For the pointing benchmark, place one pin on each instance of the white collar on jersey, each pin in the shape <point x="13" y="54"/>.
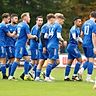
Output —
<point x="92" y="19"/>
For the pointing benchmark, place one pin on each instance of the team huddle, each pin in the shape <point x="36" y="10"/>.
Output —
<point x="44" y="40"/>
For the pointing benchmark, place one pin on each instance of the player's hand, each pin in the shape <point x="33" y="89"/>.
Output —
<point x="35" y="37"/>
<point x="44" y="49"/>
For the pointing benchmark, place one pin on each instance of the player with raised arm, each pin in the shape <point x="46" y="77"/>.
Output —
<point x="43" y="53"/>
<point x="10" y="41"/>
<point x="53" y="45"/>
<point x="3" y="33"/>
<point x="89" y="47"/>
<point x="24" y="34"/>
<point x="73" y="51"/>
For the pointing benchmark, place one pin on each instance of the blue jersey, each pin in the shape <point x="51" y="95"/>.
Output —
<point x="10" y="41"/>
<point x="22" y="31"/>
<point x="87" y="28"/>
<point x="34" y="31"/>
<point x="53" y="41"/>
<point x="45" y="31"/>
<point x="3" y="31"/>
<point x="74" y="30"/>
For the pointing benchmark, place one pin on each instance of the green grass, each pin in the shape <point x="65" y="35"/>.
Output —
<point x="56" y="88"/>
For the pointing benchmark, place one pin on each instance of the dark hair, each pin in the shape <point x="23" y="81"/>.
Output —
<point x="76" y="18"/>
<point x="5" y="15"/>
<point x="14" y="15"/>
<point x="50" y="15"/>
<point x="93" y="14"/>
<point x="38" y="17"/>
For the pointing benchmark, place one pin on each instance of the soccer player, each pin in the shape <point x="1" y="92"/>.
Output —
<point x="89" y="47"/>
<point x="53" y="45"/>
<point x="43" y="53"/>
<point x="3" y="33"/>
<point x="10" y="41"/>
<point x="24" y="34"/>
<point x="73" y="51"/>
<point x="34" y="44"/>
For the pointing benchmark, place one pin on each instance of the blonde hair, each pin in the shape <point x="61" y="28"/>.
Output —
<point x="24" y="14"/>
<point x="59" y="15"/>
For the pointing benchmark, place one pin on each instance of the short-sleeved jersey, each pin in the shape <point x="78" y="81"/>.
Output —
<point x="74" y="30"/>
<point x="53" y="41"/>
<point x="10" y="41"/>
<point x="34" y="31"/>
<point x="45" y="31"/>
<point x="87" y="28"/>
<point x="3" y="31"/>
<point x="22" y="31"/>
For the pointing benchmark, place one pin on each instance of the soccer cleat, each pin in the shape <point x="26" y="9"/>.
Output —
<point x="22" y="77"/>
<point x="47" y="79"/>
<point x="76" y="78"/>
<point x="43" y="74"/>
<point x="38" y="79"/>
<point x="5" y="77"/>
<point x="10" y="78"/>
<point x="80" y="76"/>
<point x="90" y="80"/>
<point x="67" y="79"/>
<point x="32" y="74"/>
<point x="28" y="78"/>
<point x="51" y="77"/>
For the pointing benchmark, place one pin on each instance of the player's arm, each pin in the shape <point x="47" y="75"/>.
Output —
<point x="60" y="37"/>
<point x="32" y="36"/>
<point x="43" y="42"/>
<point x="11" y="34"/>
<point x="94" y="41"/>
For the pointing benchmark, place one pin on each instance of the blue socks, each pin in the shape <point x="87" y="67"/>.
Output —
<point x="9" y="69"/>
<point x="13" y="68"/>
<point x="54" y="65"/>
<point x="26" y="67"/>
<point x="3" y="69"/>
<point x="48" y="70"/>
<point x="85" y="65"/>
<point x="38" y="71"/>
<point x="77" y="67"/>
<point x="90" y="68"/>
<point x="67" y="70"/>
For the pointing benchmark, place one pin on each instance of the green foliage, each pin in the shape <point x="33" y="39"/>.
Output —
<point x="70" y="9"/>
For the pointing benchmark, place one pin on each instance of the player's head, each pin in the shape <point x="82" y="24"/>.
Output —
<point x="26" y="17"/>
<point x="77" y="21"/>
<point x="59" y="18"/>
<point x="39" y="20"/>
<point x="6" y="17"/>
<point x="93" y="14"/>
<point x="50" y="18"/>
<point x="14" y="18"/>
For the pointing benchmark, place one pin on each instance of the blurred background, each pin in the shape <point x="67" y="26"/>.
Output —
<point x="70" y="9"/>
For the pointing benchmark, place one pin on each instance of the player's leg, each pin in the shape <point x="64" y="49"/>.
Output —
<point x="18" y="56"/>
<point x="67" y="69"/>
<point x="3" y="61"/>
<point x="42" y="57"/>
<point x="90" y="70"/>
<point x="53" y="56"/>
<point x="77" y="55"/>
<point x="85" y="65"/>
<point x="11" y="55"/>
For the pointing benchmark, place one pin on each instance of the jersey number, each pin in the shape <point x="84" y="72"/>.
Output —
<point x="86" y="30"/>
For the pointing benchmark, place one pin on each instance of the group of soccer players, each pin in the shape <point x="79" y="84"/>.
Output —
<point x="44" y="45"/>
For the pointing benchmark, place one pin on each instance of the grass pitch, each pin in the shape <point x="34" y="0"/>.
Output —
<point x="56" y="88"/>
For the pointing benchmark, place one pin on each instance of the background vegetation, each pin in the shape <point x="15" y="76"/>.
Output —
<point x="70" y="9"/>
